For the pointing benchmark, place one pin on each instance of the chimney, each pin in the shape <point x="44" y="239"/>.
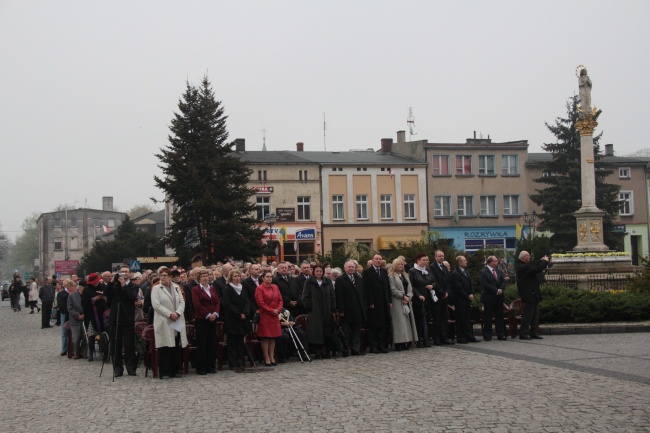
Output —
<point x="107" y="204"/>
<point x="386" y="145"/>
<point x="401" y="136"/>
<point x="474" y="135"/>
<point x="240" y="145"/>
<point x="300" y="146"/>
<point x="609" y="150"/>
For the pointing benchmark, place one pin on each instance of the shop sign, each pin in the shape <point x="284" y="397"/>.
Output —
<point x="285" y="214"/>
<point x="263" y="189"/>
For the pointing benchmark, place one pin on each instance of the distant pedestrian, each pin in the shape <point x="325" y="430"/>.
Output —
<point x="529" y="292"/>
<point x="33" y="295"/>
<point x="62" y="303"/>
<point x="15" y="289"/>
<point x="46" y="293"/>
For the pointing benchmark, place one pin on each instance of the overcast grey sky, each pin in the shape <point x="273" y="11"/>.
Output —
<point x="88" y="88"/>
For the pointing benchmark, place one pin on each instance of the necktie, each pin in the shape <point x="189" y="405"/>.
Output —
<point x="285" y="278"/>
<point x="494" y="272"/>
<point x="378" y="273"/>
<point x="352" y="279"/>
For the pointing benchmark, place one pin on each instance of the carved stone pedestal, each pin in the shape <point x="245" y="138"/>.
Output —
<point x="590" y="231"/>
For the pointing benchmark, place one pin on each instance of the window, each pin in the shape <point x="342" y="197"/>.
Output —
<point x="511" y="205"/>
<point x="486" y="165"/>
<point x="302" y="174"/>
<point x="57" y="222"/>
<point x="261" y="174"/>
<point x="386" y="207"/>
<point x="338" y="244"/>
<point x="627" y="202"/>
<point x="442" y="205"/>
<point x="465" y="205"/>
<point x="304" y="208"/>
<point x="74" y="243"/>
<point x="337" y="208"/>
<point x="440" y="165"/>
<point x="73" y="222"/>
<point x="362" y="168"/>
<point x="111" y="223"/>
<point x="510" y="165"/>
<point x="488" y="205"/>
<point x="409" y="206"/>
<point x="362" y="207"/>
<point x="337" y="168"/>
<point x="624" y="173"/>
<point x="464" y="164"/>
<point x="263" y="207"/>
<point x="58" y="244"/>
<point x="96" y="222"/>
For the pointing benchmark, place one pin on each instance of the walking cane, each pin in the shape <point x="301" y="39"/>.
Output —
<point x="294" y="337"/>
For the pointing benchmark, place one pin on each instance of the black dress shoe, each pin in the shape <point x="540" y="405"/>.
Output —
<point x="461" y="342"/>
<point x="383" y="350"/>
<point x="536" y="337"/>
<point x="132" y="373"/>
<point x="503" y="338"/>
<point x="212" y="371"/>
<point x="374" y="350"/>
<point x="473" y="340"/>
<point x="487" y="338"/>
<point x="524" y="337"/>
<point x="448" y="343"/>
<point x="119" y="374"/>
<point x="201" y="372"/>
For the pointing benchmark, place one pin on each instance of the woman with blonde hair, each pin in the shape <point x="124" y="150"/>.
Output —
<point x="401" y="289"/>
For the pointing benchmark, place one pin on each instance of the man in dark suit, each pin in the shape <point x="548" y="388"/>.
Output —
<point x="187" y="291"/>
<point x="461" y="286"/>
<point x="290" y="299"/>
<point x="439" y="309"/>
<point x="528" y="287"/>
<point x="249" y="285"/>
<point x="378" y="296"/>
<point x="123" y="296"/>
<point x="351" y="305"/>
<point x="493" y="283"/>
<point x="220" y="283"/>
<point x="299" y="284"/>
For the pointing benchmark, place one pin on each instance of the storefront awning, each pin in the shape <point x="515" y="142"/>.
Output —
<point x="384" y="242"/>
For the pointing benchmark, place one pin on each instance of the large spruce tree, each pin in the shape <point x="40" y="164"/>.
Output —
<point x="206" y="183"/>
<point x="561" y="195"/>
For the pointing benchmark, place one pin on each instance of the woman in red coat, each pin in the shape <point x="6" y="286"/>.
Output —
<point x="269" y="301"/>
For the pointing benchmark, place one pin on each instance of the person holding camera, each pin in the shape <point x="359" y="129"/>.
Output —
<point x="123" y="295"/>
<point x="528" y="283"/>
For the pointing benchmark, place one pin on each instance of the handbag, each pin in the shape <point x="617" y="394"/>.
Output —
<point x="256" y="318"/>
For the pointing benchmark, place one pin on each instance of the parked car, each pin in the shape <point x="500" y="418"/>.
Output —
<point x="5" y="291"/>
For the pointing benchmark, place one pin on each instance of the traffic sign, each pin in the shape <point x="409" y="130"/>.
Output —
<point x="134" y="265"/>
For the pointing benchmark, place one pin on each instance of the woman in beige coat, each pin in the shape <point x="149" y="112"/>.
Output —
<point x="168" y="323"/>
<point x="401" y="289"/>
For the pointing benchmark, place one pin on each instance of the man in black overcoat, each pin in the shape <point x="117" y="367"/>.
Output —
<point x="439" y="309"/>
<point x="249" y="286"/>
<point x="351" y="304"/>
<point x="123" y="295"/>
<point x="528" y="287"/>
<point x="288" y="290"/>
<point x="493" y="283"/>
<point x="378" y="296"/>
<point x="461" y="286"/>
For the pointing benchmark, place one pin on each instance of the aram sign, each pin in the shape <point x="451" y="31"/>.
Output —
<point x="263" y="189"/>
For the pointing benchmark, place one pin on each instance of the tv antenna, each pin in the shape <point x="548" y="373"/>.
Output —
<point x="324" y="131"/>
<point x="410" y="121"/>
<point x="263" y="138"/>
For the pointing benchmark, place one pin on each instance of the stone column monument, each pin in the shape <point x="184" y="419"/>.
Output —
<point x="588" y="218"/>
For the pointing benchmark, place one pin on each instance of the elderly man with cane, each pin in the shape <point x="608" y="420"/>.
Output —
<point x="528" y="286"/>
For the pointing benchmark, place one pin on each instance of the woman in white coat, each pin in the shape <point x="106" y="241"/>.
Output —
<point x="401" y="289"/>
<point x="168" y="323"/>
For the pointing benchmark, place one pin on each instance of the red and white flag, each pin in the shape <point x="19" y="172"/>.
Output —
<point x="105" y="229"/>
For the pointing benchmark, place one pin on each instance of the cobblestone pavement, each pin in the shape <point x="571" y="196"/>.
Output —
<point x="587" y="383"/>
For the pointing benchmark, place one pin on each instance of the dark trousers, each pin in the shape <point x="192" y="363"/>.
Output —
<point x="123" y="336"/>
<point x="530" y="319"/>
<point x="463" y="321"/>
<point x="440" y="316"/>
<point x="420" y="313"/>
<point x="15" y="301"/>
<point x="206" y="345"/>
<point x="376" y="336"/>
<point x="46" y="314"/>
<point x="352" y="333"/>
<point x="26" y="295"/>
<point x="167" y="361"/>
<point x="235" y="349"/>
<point x="496" y="311"/>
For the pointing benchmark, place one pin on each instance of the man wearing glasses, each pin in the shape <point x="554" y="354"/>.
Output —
<point x="123" y="295"/>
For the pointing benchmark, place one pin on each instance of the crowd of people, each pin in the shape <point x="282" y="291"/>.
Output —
<point x="400" y="305"/>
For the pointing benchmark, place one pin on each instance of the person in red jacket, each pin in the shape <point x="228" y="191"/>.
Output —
<point x="206" y="312"/>
<point x="269" y="301"/>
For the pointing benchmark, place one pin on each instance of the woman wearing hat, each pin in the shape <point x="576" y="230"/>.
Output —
<point x="168" y="323"/>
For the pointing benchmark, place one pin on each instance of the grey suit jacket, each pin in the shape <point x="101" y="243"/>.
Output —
<point x="75" y="309"/>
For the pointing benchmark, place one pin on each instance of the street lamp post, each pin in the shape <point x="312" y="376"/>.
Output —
<point x="270" y="219"/>
<point x="530" y="219"/>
